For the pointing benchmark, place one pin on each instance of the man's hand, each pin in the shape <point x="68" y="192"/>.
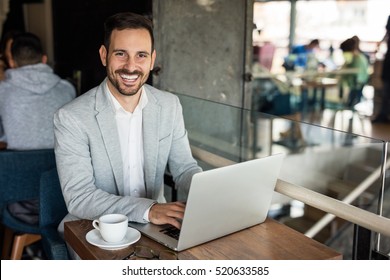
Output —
<point x="167" y="213"/>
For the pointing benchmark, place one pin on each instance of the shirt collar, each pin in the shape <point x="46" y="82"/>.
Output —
<point x="118" y="107"/>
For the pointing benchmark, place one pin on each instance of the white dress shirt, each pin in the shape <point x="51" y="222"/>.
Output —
<point x="131" y="142"/>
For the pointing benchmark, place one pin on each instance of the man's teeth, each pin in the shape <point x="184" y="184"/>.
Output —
<point x="129" y="77"/>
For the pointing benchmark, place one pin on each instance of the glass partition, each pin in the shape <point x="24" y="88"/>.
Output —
<point x="325" y="160"/>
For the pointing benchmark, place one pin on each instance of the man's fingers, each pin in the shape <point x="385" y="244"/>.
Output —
<point x="168" y="213"/>
<point x="174" y="222"/>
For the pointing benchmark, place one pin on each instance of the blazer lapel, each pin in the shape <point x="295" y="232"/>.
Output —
<point x="150" y="115"/>
<point x="105" y="117"/>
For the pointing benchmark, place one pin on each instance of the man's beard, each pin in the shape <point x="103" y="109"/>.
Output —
<point x="125" y="90"/>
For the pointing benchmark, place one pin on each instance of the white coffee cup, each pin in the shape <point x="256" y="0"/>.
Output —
<point x="112" y="227"/>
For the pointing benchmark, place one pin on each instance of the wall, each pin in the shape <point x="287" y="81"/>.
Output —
<point x="202" y="47"/>
<point x="38" y="20"/>
<point x="4" y="7"/>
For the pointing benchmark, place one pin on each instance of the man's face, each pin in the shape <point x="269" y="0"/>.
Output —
<point x="128" y="60"/>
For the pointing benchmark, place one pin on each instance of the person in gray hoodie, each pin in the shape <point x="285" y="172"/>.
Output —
<point x="29" y="96"/>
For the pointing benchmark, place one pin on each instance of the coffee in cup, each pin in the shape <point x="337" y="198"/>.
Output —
<point x="112" y="227"/>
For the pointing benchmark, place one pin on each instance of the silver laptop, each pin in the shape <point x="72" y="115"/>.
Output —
<point x="221" y="201"/>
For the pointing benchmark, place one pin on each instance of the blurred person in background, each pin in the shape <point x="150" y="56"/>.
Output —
<point x="383" y="113"/>
<point x="354" y="59"/>
<point x="302" y="56"/>
<point x="357" y="40"/>
<point x="29" y="96"/>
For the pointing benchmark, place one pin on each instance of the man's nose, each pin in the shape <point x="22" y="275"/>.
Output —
<point x="131" y="64"/>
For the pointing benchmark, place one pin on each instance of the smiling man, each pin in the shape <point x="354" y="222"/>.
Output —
<point x="114" y="142"/>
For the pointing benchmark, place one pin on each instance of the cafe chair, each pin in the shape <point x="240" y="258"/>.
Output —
<point x="20" y="174"/>
<point x="52" y="210"/>
<point x="354" y="97"/>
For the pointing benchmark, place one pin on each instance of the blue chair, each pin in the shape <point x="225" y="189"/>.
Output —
<point x="52" y="210"/>
<point x="20" y="174"/>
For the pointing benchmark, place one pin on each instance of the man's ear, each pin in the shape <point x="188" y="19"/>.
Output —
<point x="44" y="59"/>
<point x="12" y="63"/>
<point x="153" y="60"/>
<point x="103" y="55"/>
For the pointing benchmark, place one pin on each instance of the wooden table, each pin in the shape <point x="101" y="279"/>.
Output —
<point x="270" y="240"/>
<point x="322" y="84"/>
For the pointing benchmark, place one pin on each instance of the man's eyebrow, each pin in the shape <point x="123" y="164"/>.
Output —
<point x="138" y="52"/>
<point x="119" y="50"/>
<point x="144" y="52"/>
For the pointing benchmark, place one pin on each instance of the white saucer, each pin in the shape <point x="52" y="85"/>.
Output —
<point x="94" y="237"/>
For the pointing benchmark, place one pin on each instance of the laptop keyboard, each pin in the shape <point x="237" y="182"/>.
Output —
<point x="171" y="231"/>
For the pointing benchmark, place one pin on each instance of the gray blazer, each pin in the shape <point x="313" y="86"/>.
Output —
<point x="89" y="159"/>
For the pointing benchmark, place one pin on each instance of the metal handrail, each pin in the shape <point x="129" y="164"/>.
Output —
<point x="333" y="206"/>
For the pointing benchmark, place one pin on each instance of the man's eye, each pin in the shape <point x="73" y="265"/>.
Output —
<point x="120" y="54"/>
